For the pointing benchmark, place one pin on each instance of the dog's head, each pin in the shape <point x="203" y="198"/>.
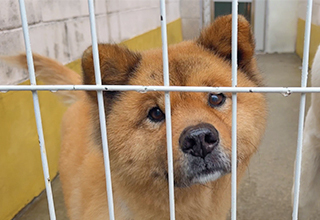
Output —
<point x="201" y="122"/>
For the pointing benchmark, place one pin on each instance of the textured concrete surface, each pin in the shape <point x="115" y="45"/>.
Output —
<point x="265" y="193"/>
<point x="38" y="208"/>
<point x="191" y="18"/>
<point x="61" y="30"/>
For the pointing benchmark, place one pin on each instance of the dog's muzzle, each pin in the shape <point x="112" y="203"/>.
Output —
<point x="199" y="140"/>
<point x="204" y="158"/>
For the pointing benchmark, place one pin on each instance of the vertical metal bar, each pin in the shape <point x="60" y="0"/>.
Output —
<point x="206" y="14"/>
<point x="167" y="106"/>
<point x="102" y="115"/>
<point x="37" y="112"/>
<point x="234" y="109"/>
<point x="201" y="3"/>
<point x="304" y="79"/>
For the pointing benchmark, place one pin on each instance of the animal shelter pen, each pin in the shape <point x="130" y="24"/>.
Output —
<point x="166" y="88"/>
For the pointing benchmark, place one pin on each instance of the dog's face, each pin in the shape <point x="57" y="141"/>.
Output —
<point x="201" y="122"/>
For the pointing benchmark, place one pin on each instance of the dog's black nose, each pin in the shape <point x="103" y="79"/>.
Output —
<point x="199" y="140"/>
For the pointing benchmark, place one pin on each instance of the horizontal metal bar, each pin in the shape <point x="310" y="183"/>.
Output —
<point x="230" y="1"/>
<point x="53" y="88"/>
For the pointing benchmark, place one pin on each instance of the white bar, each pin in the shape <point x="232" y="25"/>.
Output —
<point x="167" y="106"/>
<point x="102" y="115"/>
<point x="285" y="91"/>
<point x="234" y="109"/>
<point x="37" y="112"/>
<point x="248" y="1"/>
<point x="304" y="78"/>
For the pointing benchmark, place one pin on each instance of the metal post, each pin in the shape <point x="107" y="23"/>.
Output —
<point x="304" y="78"/>
<point x="102" y="115"/>
<point x="234" y="109"/>
<point x="167" y="106"/>
<point x="37" y="112"/>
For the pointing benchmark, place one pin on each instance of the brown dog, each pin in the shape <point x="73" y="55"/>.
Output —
<point x="201" y="125"/>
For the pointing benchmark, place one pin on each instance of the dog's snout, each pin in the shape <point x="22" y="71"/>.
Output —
<point x="199" y="140"/>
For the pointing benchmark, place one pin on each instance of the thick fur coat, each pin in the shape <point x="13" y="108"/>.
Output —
<point x="201" y="125"/>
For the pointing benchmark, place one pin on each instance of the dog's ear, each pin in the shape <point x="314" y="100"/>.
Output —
<point x="117" y="64"/>
<point x="217" y="38"/>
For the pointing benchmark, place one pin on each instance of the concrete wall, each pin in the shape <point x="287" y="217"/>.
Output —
<point x="315" y="28"/>
<point x="315" y="11"/>
<point x="281" y="26"/>
<point x="281" y="23"/>
<point x="60" y="29"/>
<point x="191" y="18"/>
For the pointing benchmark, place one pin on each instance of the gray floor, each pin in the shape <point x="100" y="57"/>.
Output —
<point x="265" y="193"/>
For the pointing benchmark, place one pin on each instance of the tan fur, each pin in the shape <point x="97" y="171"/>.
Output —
<point x="137" y="146"/>
<point x="50" y="72"/>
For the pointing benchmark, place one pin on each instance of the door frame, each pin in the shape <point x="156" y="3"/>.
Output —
<point x="258" y="18"/>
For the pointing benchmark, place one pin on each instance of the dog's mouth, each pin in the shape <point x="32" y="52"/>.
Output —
<point x="210" y="168"/>
<point x="197" y="170"/>
<point x="208" y="176"/>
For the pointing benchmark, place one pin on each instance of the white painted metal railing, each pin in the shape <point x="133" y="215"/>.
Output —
<point x="102" y="115"/>
<point x="283" y="90"/>
<point x="304" y="78"/>
<point x="234" y="62"/>
<point x="37" y="113"/>
<point x="167" y="89"/>
<point x="163" y="20"/>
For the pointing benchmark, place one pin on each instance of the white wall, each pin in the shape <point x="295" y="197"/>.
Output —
<point x="281" y="26"/>
<point x="315" y="11"/>
<point x="280" y="19"/>
<point x="60" y="28"/>
<point x="191" y="18"/>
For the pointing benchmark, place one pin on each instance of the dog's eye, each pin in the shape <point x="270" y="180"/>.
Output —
<point x="155" y="114"/>
<point x="216" y="100"/>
